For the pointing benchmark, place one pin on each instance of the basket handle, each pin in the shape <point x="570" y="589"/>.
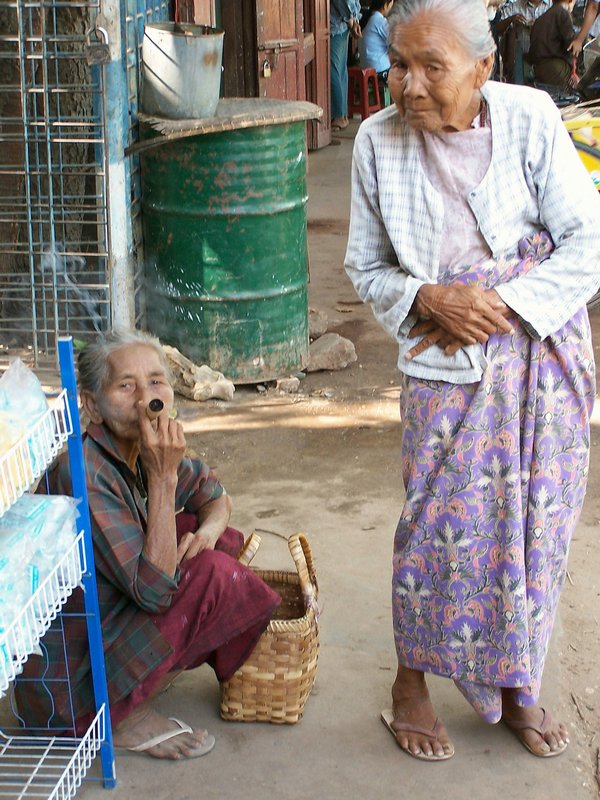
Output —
<point x="304" y="561"/>
<point x="249" y="549"/>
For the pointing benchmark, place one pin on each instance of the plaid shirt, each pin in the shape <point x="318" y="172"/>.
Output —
<point x="535" y="181"/>
<point x="130" y="588"/>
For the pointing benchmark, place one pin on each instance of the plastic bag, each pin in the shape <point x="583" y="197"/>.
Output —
<point x="16" y="469"/>
<point x="21" y="395"/>
<point x="22" y="403"/>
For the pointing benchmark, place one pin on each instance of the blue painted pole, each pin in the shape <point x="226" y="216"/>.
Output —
<point x="90" y="593"/>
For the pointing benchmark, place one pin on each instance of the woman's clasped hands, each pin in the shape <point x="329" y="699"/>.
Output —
<point x="452" y="317"/>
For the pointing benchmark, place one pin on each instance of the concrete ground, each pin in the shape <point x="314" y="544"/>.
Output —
<point x="327" y="462"/>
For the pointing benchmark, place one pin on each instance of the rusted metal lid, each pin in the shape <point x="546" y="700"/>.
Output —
<point x="233" y="113"/>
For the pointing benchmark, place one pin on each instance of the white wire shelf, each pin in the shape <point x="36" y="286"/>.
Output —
<point x="22" y="636"/>
<point x="26" y="461"/>
<point x="51" y="768"/>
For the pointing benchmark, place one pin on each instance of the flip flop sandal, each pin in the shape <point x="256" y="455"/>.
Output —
<point x="516" y="727"/>
<point x="195" y="752"/>
<point x="387" y="717"/>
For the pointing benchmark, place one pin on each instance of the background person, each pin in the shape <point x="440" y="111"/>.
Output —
<point x="516" y="20"/>
<point x="474" y="237"/>
<point x="373" y="47"/>
<point x="344" y="20"/>
<point x="493" y="10"/>
<point x="172" y="594"/>
<point x="592" y="10"/>
<point x="551" y="37"/>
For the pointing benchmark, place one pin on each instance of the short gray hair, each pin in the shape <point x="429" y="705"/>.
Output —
<point x="469" y="17"/>
<point x="92" y="361"/>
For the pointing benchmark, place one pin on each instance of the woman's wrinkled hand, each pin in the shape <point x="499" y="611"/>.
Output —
<point x="213" y="518"/>
<point x="190" y="544"/>
<point x="457" y="315"/>
<point x="432" y="335"/>
<point x="162" y="444"/>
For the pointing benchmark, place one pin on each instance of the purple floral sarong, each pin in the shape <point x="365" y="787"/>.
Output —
<point x="495" y="475"/>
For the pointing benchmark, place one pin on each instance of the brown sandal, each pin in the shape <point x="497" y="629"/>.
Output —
<point x="387" y="717"/>
<point x="516" y="726"/>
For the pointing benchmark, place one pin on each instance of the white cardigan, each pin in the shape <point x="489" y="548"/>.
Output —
<point x="535" y="181"/>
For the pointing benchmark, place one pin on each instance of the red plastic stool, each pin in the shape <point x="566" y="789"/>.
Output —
<point x="362" y="84"/>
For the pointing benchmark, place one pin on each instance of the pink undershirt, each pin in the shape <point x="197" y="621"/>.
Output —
<point x="455" y="163"/>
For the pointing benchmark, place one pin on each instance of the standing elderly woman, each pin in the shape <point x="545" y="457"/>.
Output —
<point x="172" y="594"/>
<point x="474" y="236"/>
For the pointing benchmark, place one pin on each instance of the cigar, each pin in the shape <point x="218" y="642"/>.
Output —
<point x="154" y="408"/>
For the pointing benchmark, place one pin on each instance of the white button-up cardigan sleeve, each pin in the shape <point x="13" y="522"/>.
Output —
<point x="371" y="259"/>
<point x="569" y="209"/>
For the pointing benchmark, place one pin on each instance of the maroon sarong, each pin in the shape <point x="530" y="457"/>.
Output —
<point x="216" y="617"/>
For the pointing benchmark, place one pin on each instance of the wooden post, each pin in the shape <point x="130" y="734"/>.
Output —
<point x="200" y="12"/>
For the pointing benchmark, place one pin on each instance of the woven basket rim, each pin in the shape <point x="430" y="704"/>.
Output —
<point x="287" y="625"/>
<point x="297" y="625"/>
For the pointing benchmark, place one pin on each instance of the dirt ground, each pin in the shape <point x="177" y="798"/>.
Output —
<point x="327" y="462"/>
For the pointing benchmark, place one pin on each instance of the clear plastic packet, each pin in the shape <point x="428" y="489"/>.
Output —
<point x="35" y="534"/>
<point x="18" y="579"/>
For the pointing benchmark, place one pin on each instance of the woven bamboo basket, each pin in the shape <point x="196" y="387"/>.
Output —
<point x="274" y="683"/>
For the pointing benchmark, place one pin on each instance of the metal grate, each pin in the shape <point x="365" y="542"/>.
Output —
<point x="50" y="768"/>
<point x="68" y="195"/>
<point x="53" y="207"/>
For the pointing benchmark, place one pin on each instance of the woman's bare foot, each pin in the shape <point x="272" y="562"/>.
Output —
<point x="144" y="724"/>
<point x="534" y="727"/>
<point x="411" y="706"/>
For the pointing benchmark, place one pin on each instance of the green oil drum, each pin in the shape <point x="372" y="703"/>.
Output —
<point x="224" y="225"/>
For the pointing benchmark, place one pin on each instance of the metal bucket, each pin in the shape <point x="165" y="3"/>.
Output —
<point x="224" y="221"/>
<point x="181" y="70"/>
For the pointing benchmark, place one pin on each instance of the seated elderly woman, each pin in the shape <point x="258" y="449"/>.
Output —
<point x="474" y="236"/>
<point x="172" y="594"/>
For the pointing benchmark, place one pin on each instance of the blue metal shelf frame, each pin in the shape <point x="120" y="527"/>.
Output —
<point x="69" y="382"/>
